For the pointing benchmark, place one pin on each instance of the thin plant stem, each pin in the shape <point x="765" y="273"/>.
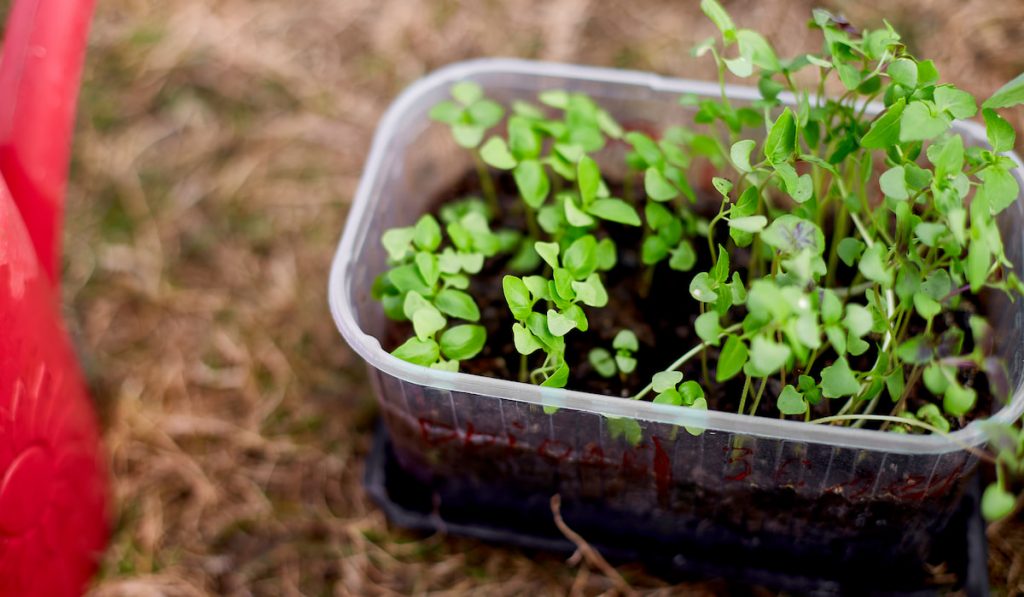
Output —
<point x="757" y="398"/>
<point x="487" y="184"/>
<point x="686" y="357"/>
<point x="743" y="396"/>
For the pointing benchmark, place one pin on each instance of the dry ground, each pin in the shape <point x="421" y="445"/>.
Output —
<point x="218" y="147"/>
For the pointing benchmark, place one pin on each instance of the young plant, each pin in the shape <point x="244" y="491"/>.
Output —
<point x="623" y="362"/>
<point x="574" y="282"/>
<point x="470" y="115"/>
<point x="426" y="285"/>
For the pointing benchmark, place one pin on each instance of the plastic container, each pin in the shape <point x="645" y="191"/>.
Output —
<point x="821" y="492"/>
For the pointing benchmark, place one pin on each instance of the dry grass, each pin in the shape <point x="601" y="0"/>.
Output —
<point x="219" y="144"/>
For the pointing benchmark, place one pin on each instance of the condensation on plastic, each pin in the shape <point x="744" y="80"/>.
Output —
<point x="495" y="432"/>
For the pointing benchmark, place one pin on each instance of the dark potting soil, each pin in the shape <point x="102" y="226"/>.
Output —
<point x="662" y="317"/>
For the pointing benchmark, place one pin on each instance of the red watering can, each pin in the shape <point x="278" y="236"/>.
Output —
<point x="53" y="483"/>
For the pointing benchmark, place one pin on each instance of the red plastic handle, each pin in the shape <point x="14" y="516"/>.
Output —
<point x="40" y="71"/>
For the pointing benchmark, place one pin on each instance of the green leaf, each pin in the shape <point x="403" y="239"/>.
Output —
<point x="397" y="242"/>
<point x="926" y="306"/>
<point x="626" y="363"/>
<point x="894" y="184"/>
<point x="700" y="288"/>
<point x="427" y="321"/>
<point x="446" y="111"/>
<point x="581" y="257"/>
<point x="850" y="250"/>
<point x="714" y="11"/>
<point x="957" y="102"/>
<point x="683" y="258"/>
<point x="930" y="232"/>
<point x="485" y="113"/>
<point x="937" y="285"/>
<point x="463" y="341"/>
<point x="698" y="404"/>
<point x="781" y="141"/>
<point x="468" y="135"/>
<point x="559" y="324"/>
<point x="657" y="186"/>
<point x="935" y="379"/>
<point x="749" y="223"/>
<point x="740" y="66"/>
<point x="407" y="278"/>
<point x="858" y="320"/>
<point x="615" y="210"/>
<point x="653" y="250"/>
<point x="556" y="98"/>
<point x="574" y="215"/>
<point x="495" y="153"/>
<point x="427" y="265"/>
<point x="999" y="188"/>
<point x="524" y="340"/>
<point x="418" y="352"/>
<point x="559" y="378"/>
<point x="808" y="332"/>
<point x="427" y="233"/>
<point x="1000" y="133"/>
<point x="602" y="362"/>
<point x="916" y="351"/>
<point x="904" y="72"/>
<point x="413" y="302"/>
<point x="920" y="124"/>
<point x="979" y="258"/>
<point x="665" y="380"/>
<point x="722" y="185"/>
<point x="670" y="396"/>
<point x="757" y="49"/>
<point x="606" y="255"/>
<point x="691" y="392"/>
<point x="791" y="402"/>
<point x="517" y="295"/>
<point x="732" y="358"/>
<point x="996" y="502"/>
<point x="588" y="176"/>
<point x="657" y="215"/>
<point x="740" y="154"/>
<point x="873" y="267"/>
<point x="791" y="234"/>
<point x="458" y="304"/>
<point x="467" y="92"/>
<point x="831" y="307"/>
<point x="958" y="400"/>
<point x="591" y="292"/>
<point x="548" y="252"/>
<point x="532" y="182"/>
<point x="625" y="340"/>
<point x="838" y="380"/>
<point x="885" y="131"/>
<point x="708" y="328"/>
<point x="1008" y="95"/>
<point x="767" y="356"/>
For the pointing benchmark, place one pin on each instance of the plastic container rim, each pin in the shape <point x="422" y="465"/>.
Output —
<point x="370" y="350"/>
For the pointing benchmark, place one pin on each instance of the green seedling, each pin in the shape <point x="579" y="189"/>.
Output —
<point x="469" y="115"/>
<point x="427" y="285"/>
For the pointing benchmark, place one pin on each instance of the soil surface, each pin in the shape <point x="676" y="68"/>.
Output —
<point x="662" y="316"/>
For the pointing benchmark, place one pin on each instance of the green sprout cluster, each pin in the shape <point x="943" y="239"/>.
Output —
<point x="830" y="263"/>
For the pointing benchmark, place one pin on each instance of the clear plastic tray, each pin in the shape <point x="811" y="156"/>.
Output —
<point x="753" y="474"/>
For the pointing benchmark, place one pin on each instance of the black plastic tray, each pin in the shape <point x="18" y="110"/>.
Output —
<point x="411" y="504"/>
